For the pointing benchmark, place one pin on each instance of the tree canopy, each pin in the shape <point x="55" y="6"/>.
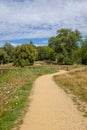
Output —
<point x="45" y="53"/>
<point x="9" y="49"/>
<point x="3" y="56"/>
<point x="25" y="55"/>
<point x="64" y="43"/>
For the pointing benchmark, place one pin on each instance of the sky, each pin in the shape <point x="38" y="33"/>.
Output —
<point x="22" y="21"/>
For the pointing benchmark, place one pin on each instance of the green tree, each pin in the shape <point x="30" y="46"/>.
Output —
<point x="64" y="43"/>
<point x="25" y="55"/>
<point x="3" y="56"/>
<point x="84" y="53"/>
<point x="9" y="49"/>
<point x="77" y="56"/>
<point x="45" y="53"/>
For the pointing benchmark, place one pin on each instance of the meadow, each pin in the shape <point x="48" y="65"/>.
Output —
<point x="15" y="88"/>
<point x="16" y="85"/>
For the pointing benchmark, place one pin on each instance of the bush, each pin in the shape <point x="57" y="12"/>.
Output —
<point x="25" y="55"/>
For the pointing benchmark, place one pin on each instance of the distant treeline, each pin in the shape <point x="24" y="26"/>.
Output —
<point x="66" y="48"/>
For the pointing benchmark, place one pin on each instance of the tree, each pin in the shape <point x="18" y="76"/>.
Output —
<point x="45" y="53"/>
<point x="9" y="49"/>
<point x="25" y="55"/>
<point x="3" y="56"/>
<point x="84" y="53"/>
<point x="64" y="43"/>
<point x="77" y="56"/>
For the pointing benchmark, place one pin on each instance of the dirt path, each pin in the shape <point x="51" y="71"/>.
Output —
<point x="51" y="108"/>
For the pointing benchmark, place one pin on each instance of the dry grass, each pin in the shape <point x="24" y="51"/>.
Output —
<point x="75" y="84"/>
<point x="70" y="67"/>
<point x="20" y="81"/>
<point x="6" y="66"/>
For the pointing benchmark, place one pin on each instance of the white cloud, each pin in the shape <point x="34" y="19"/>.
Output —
<point x="40" y="18"/>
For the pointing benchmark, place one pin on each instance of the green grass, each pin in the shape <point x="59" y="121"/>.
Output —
<point x="15" y="88"/>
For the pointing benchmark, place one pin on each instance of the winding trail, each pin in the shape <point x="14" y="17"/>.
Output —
<point x="51" y="108"/>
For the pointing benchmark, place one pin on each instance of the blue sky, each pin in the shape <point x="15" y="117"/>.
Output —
<point x="37" y="20"/>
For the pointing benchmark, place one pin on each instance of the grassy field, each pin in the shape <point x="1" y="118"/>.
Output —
<point x="15" y="88"/>
<point x="75" y="84"/>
